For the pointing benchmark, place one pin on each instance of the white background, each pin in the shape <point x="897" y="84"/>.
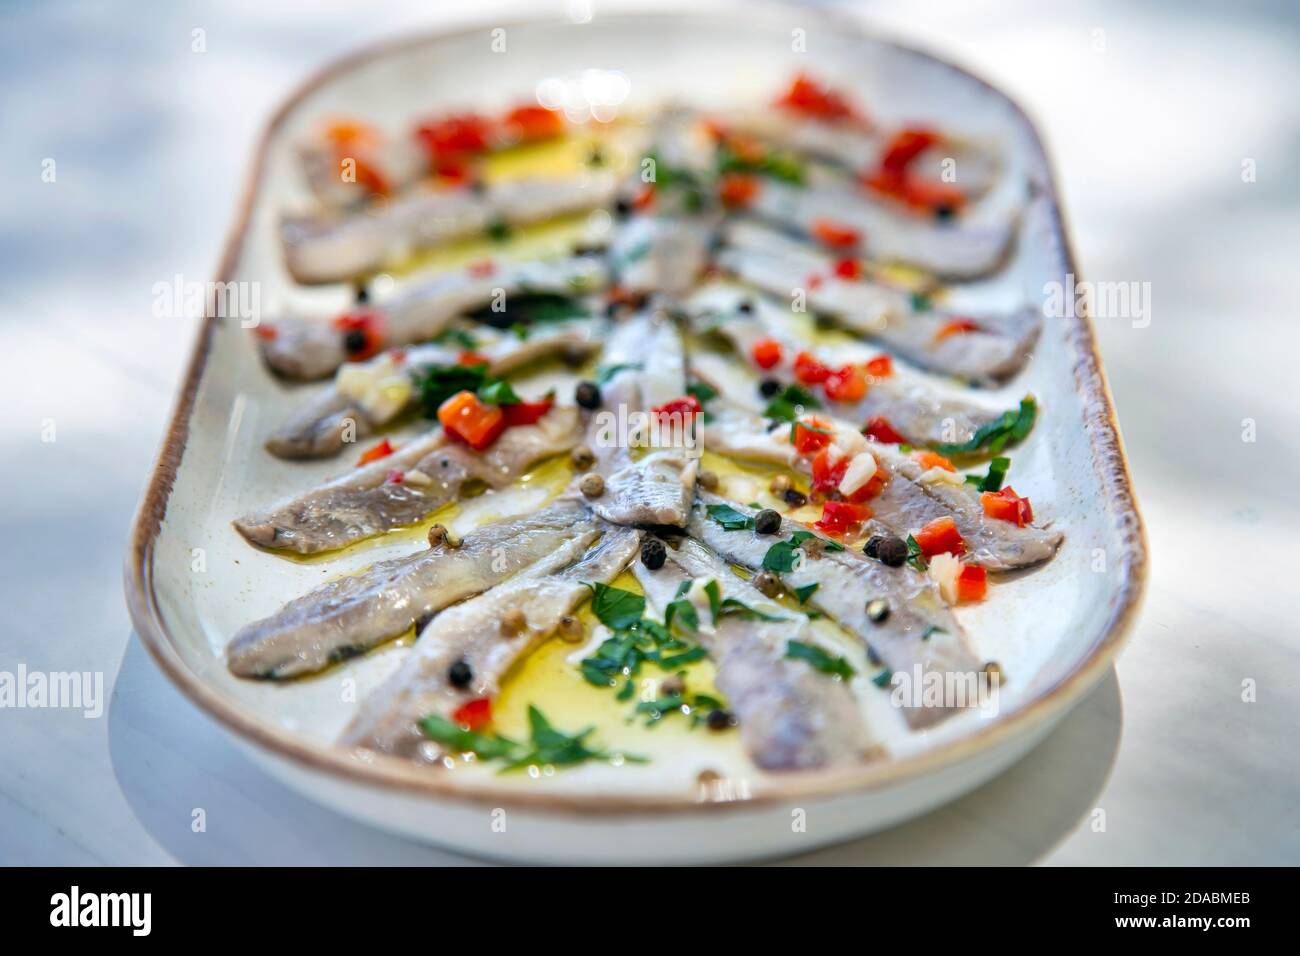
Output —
<point x="1148" y="121"/>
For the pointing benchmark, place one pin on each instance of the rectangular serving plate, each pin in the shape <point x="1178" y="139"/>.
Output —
<point x="191" y="581"/>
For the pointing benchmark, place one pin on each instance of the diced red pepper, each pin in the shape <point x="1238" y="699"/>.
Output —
<point x="472" y="421"/>
<point x="766" y="353"/>
<point x="454" y="137"/>
<point x="808" y="370"/>
<point x="530" y="123"/>
<point x="746" y="148"/>
<point x="836" y="234"/>
<point x="351" y="132"/>
<point x="814" y="281"/>
<point x="842" y="517"/>
<point x="527" y="413"/>
<point x="382" y="450"/>
<point x="371" y="324"/>
<point x="397" y="355"/>
<point x="481" y="269"/>
<point x="265" y="332"/>
<point x="687" y="406"/>
<point x="846" y="384"/>
<point x="473" y="714"/>
<point x="809" y="97"/>
<point x="932" y="459"/>
<point x="955" y="327"/>
<point x="472" y="358"/>
<point x="903" y="149"/>
<point x="881" y="430"/>
<point x="850" y="269"/>
<point x="1006" y="505"/>
<point x="737" y="189"/>
<point x="644" y="198"/>
<point x="369" y="177"/>
<point x="395" y="477"/>
<point x="882" y="366"/>
<point x="940" y="536"/>
<point x="972" y="583"/>
<point x="811" y="435"/>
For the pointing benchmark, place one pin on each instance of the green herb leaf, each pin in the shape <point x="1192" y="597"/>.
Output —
<point x="683" y="612"/>
<point x="992" y="481"/>
<point x="931" y="629"/>
<point x="459" y="336"/>
<point x="914" y="556"/>
<point x="715" y="600"/>
<point x="883" y="678"/>
<point x="702" y="391"/>
<point x="805" y="592"/>
<point x="920" y="302"/>
<point x="615" y="608"/>
<point x="498" y="392"/>
<point x="605" y="372"/>
<point x="818" y="659"/>
<point x="730" y="518"/>
<point x="781" y="557"/>
<point x="437" y="383"/>
<point x="787" y="404"/>
<point x="737" y="608"/>
<point x="1007" y="428"/>
<point x="456" y="738"/>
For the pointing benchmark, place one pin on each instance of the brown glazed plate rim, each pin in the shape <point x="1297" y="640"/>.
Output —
<point x="390" y="773"/>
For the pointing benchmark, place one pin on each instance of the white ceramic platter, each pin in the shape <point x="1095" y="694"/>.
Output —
<point x="192" y="581"/>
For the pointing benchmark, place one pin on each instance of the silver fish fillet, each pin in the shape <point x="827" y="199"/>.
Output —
<point x="349" y="616"/>
<point x="336" y="247"/>
<point x="791" y="717"/>
<point x="324" y="424"/>
<point x="994" y="349"/>
<point x="960" y="250"/>
<point x="309" y="349"/>
<point x="480" y="632"/>
<point x="651" y="484"/>
<point x="910" y="403"/>
<point x="909" y="500"/>
<point x="366" y="502"/>
<point x="919" y="630"/>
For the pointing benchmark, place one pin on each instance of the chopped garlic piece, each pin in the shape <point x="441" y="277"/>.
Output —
<point x="943" y="570"/>
<point x="861" y="470"/>
<point x="936" y="475"/>
<point x="845" y="443"/>
<point x="416" y="477"/>
<point x="386" y="398"/>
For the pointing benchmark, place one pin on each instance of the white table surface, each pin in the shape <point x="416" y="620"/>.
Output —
<point x="1149" y="122"/>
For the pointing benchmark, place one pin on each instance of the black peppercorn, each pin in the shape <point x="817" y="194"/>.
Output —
<point x="653" y="553"/>
<point x="354" y="341"/>
<point x="767" y="521"/>
<point x="587" y="395"/>
<point x="769" y="387"/>
<point x="460" y="674"/>
<point x="720" y="720"/>
<point x="622" y="208"/>
<point x="363" y="294"/>
<point x="943" y="213"/>
<point x="887" y="549"/>
<point x="795" y="498"/>
<point x="746" y="307"/>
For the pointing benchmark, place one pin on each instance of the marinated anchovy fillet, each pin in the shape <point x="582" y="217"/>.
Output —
<point x="982" y="349"/>
<point x="791" y="717"/>
<point x="858" y="148"/>
<point x="429" y="472"/>
<point x="642" y="485"/>
<point x="366" y="395"/>
<point x="334" y="248"/>
<point x="905" y="398"/>
<point x="662" y="253"/>
<point x="960" y="250"/>
<point x="307" y="349"/>
<point x="487" y="634"/>
<point x="353" y="614"/>
<point x="911" y="498"/>
<point x="918" y="630"/>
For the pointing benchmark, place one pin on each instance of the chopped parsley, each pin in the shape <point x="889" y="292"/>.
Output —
<point x="547" y="746"/>
<point x="805" y="592"/>
<point x="606" y="372"/>
<point x="1007" y="428"/>
<point x="459" y="336"/>
<point x="785" y="405"/>
<point x="730" y="518"/>
<point x="914" y="555"/>
<point x="818" y="659"/>
<point x="778" y="165"/>
<point x="499" y="392"/>
<point x="616" y="608"/>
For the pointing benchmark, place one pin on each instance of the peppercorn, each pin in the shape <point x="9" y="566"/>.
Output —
<point x="513" y="622"/>
<point x="672" y="686"/>
<point x="570" y="630"/>
<point x="707" y="480"/>
<point x="795" y="498"/>
<point x="769" y="387"/>
<point x="582" y="457"/>
<point x="460" y="674"/>
<point x="720" y="720"/>
<point x="593" y="486"/>
<point x="587" y="395"/>
<point x="354" y="341"/>
<point x="943" y="212"/>
<point x="746" y="306"/>
<point x="877" y="610"/>
<point x="653" y="553"/>
<point x="994" y="672"/>
<point x="622" y="208"/>
<point x="888" y="549"/>
<point x="363" y="294"/>
<point x="767" y="521"/>
<point x="767" y="583"/>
